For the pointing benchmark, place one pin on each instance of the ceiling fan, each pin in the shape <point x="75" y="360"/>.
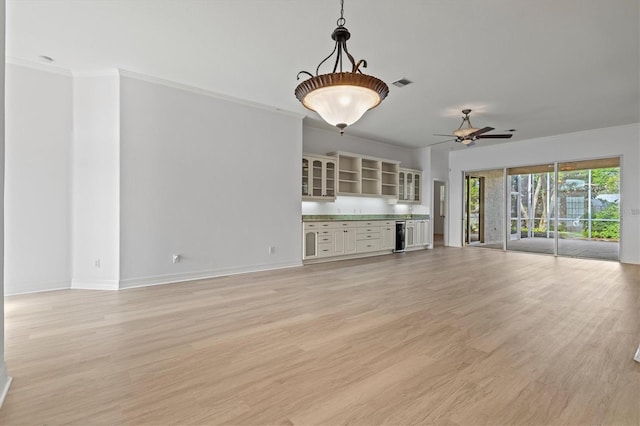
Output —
<point x="469" y="135"/>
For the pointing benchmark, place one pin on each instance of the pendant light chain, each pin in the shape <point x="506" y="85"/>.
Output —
<point x="341" y="21"/>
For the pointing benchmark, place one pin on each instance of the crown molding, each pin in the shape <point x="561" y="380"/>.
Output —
<point x="205" y="92"/>
<point x="114" y="72"/>
<point x="150" y="79"/>
<point x="39" y="66"/>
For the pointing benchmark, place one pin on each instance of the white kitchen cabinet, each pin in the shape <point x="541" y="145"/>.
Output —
<point x="422" y="233"/>
<point x="410" y="234"/>
<point x="318" y="178"/>
<point x="348" y="238"/>
<point x="417" y="234"/>
<point x="389" y="185"/>
<point x="388" y="236"/>
<point x="349" y="174"/>
<point x="363" y="175"/>
<point x="309" y="244"/>
<point x="409" y="186"/>
<point x="344" y="241"/>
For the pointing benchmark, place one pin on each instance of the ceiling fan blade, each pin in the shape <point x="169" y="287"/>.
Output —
<point x="481" y="131"/>
<point x="470" y="144"/>
<point x="438" y="134"/>
<point x="505" y="136"/>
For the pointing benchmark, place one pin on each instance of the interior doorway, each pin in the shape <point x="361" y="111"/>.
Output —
<point x="484" y="215"/>
<point x="439" y="219"/>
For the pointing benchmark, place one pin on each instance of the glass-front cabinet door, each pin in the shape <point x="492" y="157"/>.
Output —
<point x="409" y="185"/>
<point x="316" y="172"/>
<point x="330" y="179"/>
<point x="306" y="191"/>
<point x="318" y="178"/>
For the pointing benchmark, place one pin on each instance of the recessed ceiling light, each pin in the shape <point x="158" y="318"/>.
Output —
<point x="47" y="59"/>
<point x="402" y="82"/>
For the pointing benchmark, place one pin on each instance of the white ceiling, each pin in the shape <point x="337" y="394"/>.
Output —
<point x="543" y="67"/>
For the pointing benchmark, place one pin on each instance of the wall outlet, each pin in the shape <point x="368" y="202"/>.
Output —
<point x="97" y="263"/>
<point x="177" y="258"/>
<point x="272" y="249"/>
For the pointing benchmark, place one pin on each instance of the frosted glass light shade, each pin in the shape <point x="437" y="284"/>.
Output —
<point x="461" y="133"/>
<point x="341" y="104"/>
<point x="341" y="98"/>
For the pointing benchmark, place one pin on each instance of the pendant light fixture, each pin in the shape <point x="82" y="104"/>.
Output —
<point x="341" y="97"/>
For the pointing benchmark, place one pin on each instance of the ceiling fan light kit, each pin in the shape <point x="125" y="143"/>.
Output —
<point x="469" y="135"/>
<point x="341" y="97"/>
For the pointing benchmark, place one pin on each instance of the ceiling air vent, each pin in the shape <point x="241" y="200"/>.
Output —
<point x="402" y="82"/>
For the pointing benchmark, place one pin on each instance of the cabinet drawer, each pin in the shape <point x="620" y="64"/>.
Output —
<point x="367" y="223"/>
<point x="325" y="249"/>
<point x="325" y="239"/>
<point x="368" y="236"/>
<point x="323" y="232"/>
<point x="368" y="229"/>
<point x="363" y="246"/>
<point x="317" y="225"/>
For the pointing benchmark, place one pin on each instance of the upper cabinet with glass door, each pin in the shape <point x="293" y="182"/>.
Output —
<point x="318" y="178"/>
<point x="409" y="186"/>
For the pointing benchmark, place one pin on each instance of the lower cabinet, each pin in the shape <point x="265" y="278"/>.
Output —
<point x="417" y="234"/>
<point x="344" y="241"/>
<point x="329" y="239"/>
<point x="423" y="236"/>
<point x="410" y="234"/>
<point x="388" y="235"/>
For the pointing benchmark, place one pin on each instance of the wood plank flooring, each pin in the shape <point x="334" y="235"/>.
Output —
<point x="447" y="336"/>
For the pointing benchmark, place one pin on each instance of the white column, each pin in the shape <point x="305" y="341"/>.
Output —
<point x="5" y="380"/>
<point x="95" y="240"/>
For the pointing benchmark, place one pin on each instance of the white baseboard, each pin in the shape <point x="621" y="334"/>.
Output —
<point x="95" y="284"/>
<point x="5" y="383"/>
<point x="200" y="275"/>
<point x="14" y="289"/>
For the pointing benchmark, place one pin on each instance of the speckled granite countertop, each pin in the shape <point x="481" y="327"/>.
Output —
<point x="345" y="217"/>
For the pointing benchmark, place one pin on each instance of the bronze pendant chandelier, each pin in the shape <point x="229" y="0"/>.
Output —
<point x="341" y="97"/>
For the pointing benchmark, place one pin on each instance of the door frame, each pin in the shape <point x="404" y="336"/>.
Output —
<point x="466" y="214"/>
<point x="445" y="224"/>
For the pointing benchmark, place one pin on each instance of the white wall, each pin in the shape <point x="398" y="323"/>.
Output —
<point x="600" y="143"/>
<point x="95" y="181"/>
<point x="5" y="380"/>
<point x="37" y="191"/>
<point x="439" y="169"/>
<point x="355" y="206"/>
<point x="323" y="141"/>
<point x="212" y="180"/>
<point x="439" y="165"/>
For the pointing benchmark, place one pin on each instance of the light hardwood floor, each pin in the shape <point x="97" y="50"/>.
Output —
<point x="449" y="336"/>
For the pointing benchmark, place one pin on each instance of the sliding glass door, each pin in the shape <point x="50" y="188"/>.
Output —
<point x="474" y="209"/>
<point x="589" y="208"/>
<point x="532" y="201"/>
<point x="567" y="209"/>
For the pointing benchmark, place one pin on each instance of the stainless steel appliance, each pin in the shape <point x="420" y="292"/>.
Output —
<point x="400" y="236"/>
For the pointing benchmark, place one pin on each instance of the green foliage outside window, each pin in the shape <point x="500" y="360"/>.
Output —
<point x="606" y="230"/>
